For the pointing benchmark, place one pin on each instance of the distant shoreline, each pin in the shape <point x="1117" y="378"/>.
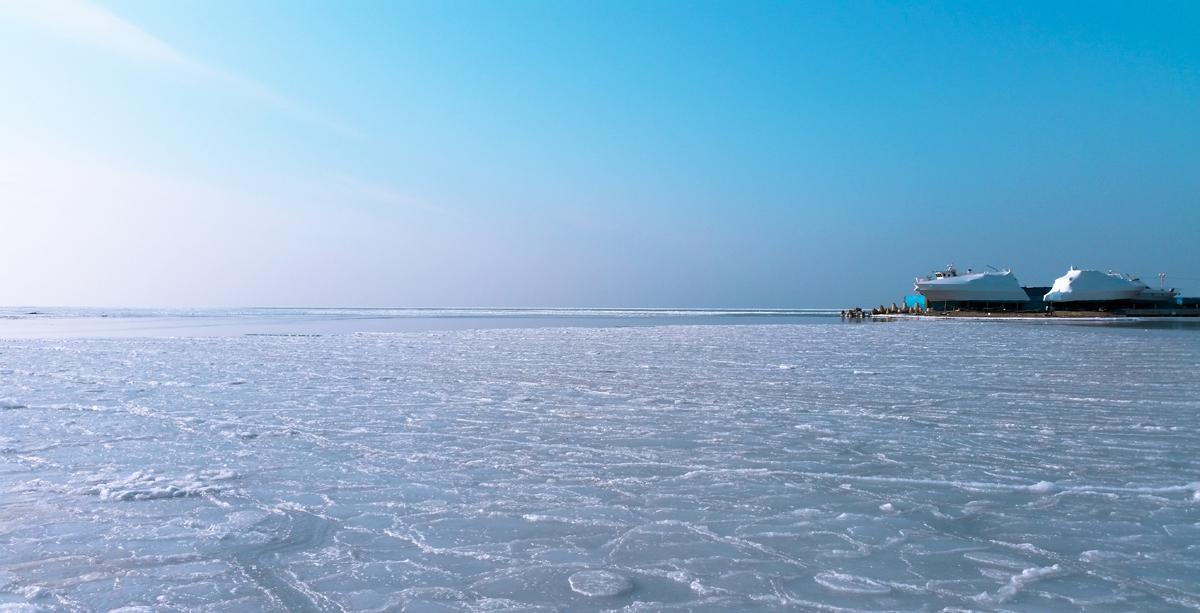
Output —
<point x="1116" y="315"/>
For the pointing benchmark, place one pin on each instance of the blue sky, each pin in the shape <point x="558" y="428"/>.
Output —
<point x="607" y="154"/>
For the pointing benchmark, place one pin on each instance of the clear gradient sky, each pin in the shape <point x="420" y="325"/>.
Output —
<point x="602" y="154"/>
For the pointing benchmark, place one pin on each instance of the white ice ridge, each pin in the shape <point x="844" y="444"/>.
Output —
<point x="1019" y="581"/>
<point x="9" y="403"/>
<point x="146" y="485"/>
<point x="599" y="583"/>
<point x="851" y="584"/>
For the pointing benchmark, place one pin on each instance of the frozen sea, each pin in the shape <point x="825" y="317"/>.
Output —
<point x="481" y="460"/>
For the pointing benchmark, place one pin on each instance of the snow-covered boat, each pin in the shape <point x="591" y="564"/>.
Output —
<point x="949" y="286"/>
<point x="1094" y="286"/>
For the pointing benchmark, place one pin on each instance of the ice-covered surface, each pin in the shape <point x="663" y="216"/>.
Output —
<point x="903" y="466"/>
<point x="40" y="322"/>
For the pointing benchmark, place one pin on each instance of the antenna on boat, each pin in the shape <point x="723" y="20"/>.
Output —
<point x="1160" y="279"/>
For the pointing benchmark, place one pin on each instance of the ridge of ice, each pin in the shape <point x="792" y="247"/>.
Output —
<point x="1017" y="582"/>
<point x="599" y="583"/>
<point x="1043" y="487"/>
<point x="851" y="584"/>
<point x="147" y="485"/>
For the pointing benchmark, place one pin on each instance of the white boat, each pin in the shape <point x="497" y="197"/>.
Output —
<point x="1094" y="286"/>
<point x="949" y="286"/>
